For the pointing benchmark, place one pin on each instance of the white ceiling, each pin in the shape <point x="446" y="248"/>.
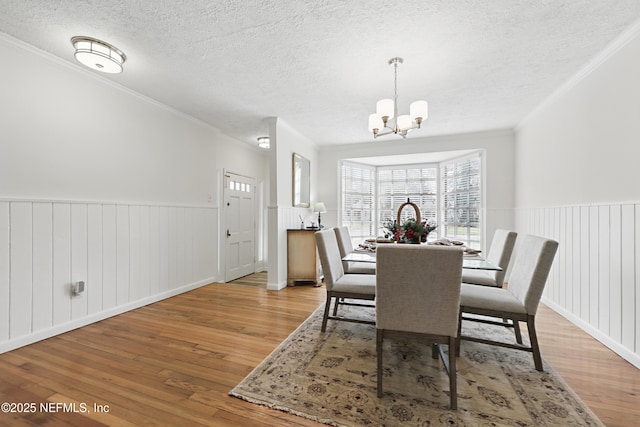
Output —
<point x="322" y="65"/>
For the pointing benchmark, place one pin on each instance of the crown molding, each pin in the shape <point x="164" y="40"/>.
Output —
<point x="611" y="49"/>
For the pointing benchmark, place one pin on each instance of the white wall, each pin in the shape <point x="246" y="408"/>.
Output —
<point x="100" y="184"/>
<point x="282" y="215"/>
<point x="497" y="152"/>
<point x="577" y="181"/>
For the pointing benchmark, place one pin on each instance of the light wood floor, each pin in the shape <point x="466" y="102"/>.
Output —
<point x="173" y="362"/>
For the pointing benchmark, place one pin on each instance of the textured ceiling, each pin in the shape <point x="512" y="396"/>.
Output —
<point x="322" y="65"/>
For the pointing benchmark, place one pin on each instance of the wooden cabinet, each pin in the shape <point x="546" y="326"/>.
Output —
<point x="303" y="263"/>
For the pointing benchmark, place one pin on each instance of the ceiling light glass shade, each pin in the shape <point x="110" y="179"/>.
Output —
<point x="384" y="108"/>
<point x="375" y="122"/>
<point x="419" y="111"/>
<point x="98" y="55"/>
<point x="405" y="122"/>
<point x="263" y="142"/>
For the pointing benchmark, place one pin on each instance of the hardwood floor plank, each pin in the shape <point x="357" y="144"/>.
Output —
<point x="174" y="362"/>
<point x="607" y="383"/>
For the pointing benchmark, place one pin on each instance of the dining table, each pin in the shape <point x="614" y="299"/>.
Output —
<point x="473" y="262"/>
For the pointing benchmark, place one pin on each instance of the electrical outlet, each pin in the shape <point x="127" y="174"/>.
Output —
<point x="77" y="288"/>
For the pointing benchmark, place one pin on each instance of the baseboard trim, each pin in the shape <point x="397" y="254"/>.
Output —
<point x="616" y="347"/>
<point x="276" y="286"/>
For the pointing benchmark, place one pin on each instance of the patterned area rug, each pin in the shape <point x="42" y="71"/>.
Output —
<point x="331" y="378"/>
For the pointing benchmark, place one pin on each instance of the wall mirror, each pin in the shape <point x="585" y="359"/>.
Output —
<point x="301" y="184"/>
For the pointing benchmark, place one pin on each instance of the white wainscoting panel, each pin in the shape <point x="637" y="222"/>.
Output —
<point x="79" y="258"/>
<point x="21" y="276"/>
<point x="109" y="251"/>
<point x="5" y="295"/>
<point x="95" y="258"/>
<point x="42" y="265"/>
<point x="594" y="278"/>
<point x="128" y="255"/>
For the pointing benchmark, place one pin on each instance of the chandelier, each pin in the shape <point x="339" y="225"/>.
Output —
<point x="383" y="123"/>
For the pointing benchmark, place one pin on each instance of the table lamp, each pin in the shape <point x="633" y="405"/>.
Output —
<point x="320" y="208"/>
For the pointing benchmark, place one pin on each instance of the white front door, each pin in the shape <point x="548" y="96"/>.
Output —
<point x="239" y="192"/>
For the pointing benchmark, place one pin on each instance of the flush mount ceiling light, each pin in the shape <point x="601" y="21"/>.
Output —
<point x="382" y="123"/>
<point x="99" y="55"/>
<point x="263" y="142"/>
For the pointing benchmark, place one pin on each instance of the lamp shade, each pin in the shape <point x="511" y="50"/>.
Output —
<point x="384" y="108"/>
<point x="319" y="207"/>
<point x="419" y="110"/>
<point x="98" y="55"/>
<point x="375" y="122"/>
<point x="263" y="142"/>
<point x="404" y="122"/>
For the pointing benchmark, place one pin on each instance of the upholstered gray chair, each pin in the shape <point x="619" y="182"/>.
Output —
<point x="338" y="284"/>
<point x="519" y="302"/>
<point x="500" y="254"/>
<point x="418" y="291"/>
<point x="346" y="247"/>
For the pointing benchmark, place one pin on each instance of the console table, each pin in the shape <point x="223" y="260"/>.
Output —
<point x="303" y="263"/>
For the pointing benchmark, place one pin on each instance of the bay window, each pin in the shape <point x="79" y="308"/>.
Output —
<point x="448" y="194"/>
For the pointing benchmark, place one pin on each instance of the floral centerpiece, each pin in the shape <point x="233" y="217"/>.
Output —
<point x="410" y="231"/>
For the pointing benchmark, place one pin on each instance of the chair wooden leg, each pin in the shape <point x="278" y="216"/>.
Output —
<point x="457" y="346"/>
<point x="326" y="313"/>
<point x="379" y="336"/>
<point x="434" y="351"/>
<point x="516" y="329"/>
<point x="453" y="387"/>
<point x="537" y="358"/>
<point x="335" y="306"/>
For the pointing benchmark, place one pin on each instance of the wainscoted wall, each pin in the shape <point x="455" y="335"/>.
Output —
<point x="594" y="279"/>
<point x="128" y="256"/>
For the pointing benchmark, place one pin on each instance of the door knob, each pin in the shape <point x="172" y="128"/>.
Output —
<point x="228" y="233"/>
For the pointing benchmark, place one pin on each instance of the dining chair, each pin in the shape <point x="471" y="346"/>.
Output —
<point x="338" y="284"/>
<point x="346" y="247"/>
<point x="518" y="302"/>
<point x="418" y="292"/>
<point x="500" y="254"/>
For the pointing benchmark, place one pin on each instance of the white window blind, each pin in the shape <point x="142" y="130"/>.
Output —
<point x="357" y="204"/>
<point x="461" y="200"/>
<point x="396" y="184"/>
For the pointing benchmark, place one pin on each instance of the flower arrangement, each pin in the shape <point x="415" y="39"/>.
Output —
<point x="410" y="231"/>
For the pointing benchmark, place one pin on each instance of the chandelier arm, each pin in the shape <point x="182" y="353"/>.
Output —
<point x="389" y="131"/>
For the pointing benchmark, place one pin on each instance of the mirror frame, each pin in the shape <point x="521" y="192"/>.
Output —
<point x="301" y="194"/>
